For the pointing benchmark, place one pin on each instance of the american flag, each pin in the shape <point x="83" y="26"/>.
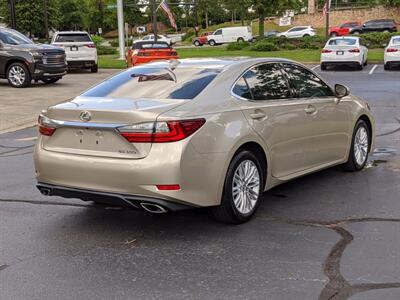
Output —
<point x="327" y="7"/>
<point x="165" y="7"/>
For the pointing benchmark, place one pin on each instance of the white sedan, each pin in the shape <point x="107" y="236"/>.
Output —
<point x="392" y="53"/>
<point x="298" y="32"/>
<point x="160" y="38"/>
<point x="344" y="51"/>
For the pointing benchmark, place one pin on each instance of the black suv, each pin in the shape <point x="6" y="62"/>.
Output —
<point x="382" y="25"/>
<point x="22" y="61"/>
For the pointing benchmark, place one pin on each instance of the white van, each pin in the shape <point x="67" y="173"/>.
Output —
<point x="230" y="35"/>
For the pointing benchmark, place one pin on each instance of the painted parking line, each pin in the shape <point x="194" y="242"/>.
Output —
<point x="373" y="69"/>
<point x="313" y="68"/>
<point x="32" y="138"/>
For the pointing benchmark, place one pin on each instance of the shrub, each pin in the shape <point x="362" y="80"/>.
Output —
<point x="264" y="45"/>
<point x="237" y="46"/>
<point x="98" y="40"/>
<point x="377" y="39"/>
<point x="106" y="50"/>
<point x="288" y="46"/>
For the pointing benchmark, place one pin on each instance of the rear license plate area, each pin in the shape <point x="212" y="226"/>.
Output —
<point x="339" y="52"/>
<point x="74" y="48"/>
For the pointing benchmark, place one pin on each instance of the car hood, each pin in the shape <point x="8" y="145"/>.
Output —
<point x="37" y="47"/>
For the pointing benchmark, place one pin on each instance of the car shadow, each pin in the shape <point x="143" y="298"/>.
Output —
<point x="342" y="68"/>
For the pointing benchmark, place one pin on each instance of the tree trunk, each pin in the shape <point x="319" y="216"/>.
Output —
<point x="261" y="18"/>
<point x="206" y="19"/>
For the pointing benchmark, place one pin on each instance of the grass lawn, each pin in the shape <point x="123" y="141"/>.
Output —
<point x="304" y="56"/>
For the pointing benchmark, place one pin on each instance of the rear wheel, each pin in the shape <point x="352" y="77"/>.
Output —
<point x="196" y="43"/>
<point x="359" y="149"/>
<point x="240" y="40"/>
<point x="51" y="80"/>
<point x="306" y="35"/>
<point x="323" y="67"/>
<point x="359" y="66"/>
<point x="94" y="69"/>
<point x="18" y="75"/>
<point x="242" y="189"/>
<point x="386" y="67"/>
<point x="212" y="43"/>
<point x="356" y="32"/>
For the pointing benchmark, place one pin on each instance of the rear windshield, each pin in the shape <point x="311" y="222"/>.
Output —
<point x="396" y="41"/>
<point x="155" y="83"/>
<point x="151" y="46"/>
<point x="343" y="42"/>
<point x="72" y="37"/>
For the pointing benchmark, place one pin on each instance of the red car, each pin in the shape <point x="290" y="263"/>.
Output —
<point x="201" y="40"/>
<point x="144" y="52"/>
<point x="343" y="29"/>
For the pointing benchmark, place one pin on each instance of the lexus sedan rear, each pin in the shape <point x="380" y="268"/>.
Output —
<point x="168" y="136"/>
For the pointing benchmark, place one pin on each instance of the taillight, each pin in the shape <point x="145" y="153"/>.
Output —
<point x="45" y="126"/>
<point x="326" y="51"/>
<point x="392" y="50"/>
<point x="90" y="45"/>
<point x="160" y="132"/>
<point x="356" y="50"/>
<point x="168" y="187"/>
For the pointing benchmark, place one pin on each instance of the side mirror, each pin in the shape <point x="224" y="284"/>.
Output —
<point x="341" y="91"/>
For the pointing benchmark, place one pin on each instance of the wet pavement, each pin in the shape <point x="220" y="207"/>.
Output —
<point x="329" y="235"/>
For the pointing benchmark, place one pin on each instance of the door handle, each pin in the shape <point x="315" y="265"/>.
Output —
<point x="310" y="109"/>
<point x="258" y="115"/>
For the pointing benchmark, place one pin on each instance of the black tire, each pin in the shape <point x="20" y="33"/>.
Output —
<point x="359" y="67"/>
<point x="22" y="68"/>
<point x="196" y="43"/>
<point x="240" y="40"/>
<point x="366" y="63"/>
<point x="352" y="165"/>
<point x="212" y="43"/>
<point x="227" y="212"/>
<point x="51" y="80"/>
<point x="386" y="67"/>
<point x="94" y="69"/>
<point x="356" y="32"/>
<point x="323" y="67"/>
<point x="305" y="35"/>
<point x="333" y="34"/>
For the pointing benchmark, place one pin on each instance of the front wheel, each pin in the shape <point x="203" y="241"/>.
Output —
<point x="18" y="75"/>
<point x="360" y="146"/>
<point x="51" y="80"/>
<point x="197" y="43"/>
<point x="243" y="188"/>
<point x="212" y="43"/>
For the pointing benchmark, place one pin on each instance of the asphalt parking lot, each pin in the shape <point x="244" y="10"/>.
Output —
<point x="329" y="235"/>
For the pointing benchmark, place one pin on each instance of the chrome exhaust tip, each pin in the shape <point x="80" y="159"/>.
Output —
<point x="153" y="208"/>
<point x="45" y="191"/>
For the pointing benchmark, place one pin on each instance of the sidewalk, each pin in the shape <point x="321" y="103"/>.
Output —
<point x="19" y="108"/>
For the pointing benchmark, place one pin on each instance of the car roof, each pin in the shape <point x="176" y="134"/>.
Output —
<point x="214" y="63"/>
<point x="141" y="43"/>
<point x="71" y="32"/>
<point x="345" y="37"/>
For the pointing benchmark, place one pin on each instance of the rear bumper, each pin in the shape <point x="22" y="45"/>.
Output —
<point x="130" y="201"/>
<point x="340" y="63"/>
<point x="81" y="63"/>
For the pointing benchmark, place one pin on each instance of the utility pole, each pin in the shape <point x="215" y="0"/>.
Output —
<point x="46" y="20"/>
<point x="12" y="14"/>
<point x="154" y="15"/>
<point x="327" y="13"/>
<point x="121" y="38"/>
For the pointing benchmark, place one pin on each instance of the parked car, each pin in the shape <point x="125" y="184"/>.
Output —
<point x="201" y="40"/>
<point x="271" y="33"/>
<point x="22" y="61"/>
<point x="79" y="47"/>
<point x="230" y="35"/>
<point x="144" y="52"/>
<point x="343" y="29"/>
<point x="199" y="133"/>
<point x="381" y="25"/>
<point x="392" y="53"/>
<point x="160" y="38"/>
<point x="298" y="32"/>
<point x="344" y="51"/>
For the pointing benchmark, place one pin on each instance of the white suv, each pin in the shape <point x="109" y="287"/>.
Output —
<point x="79" y="48"/>
<point x="298" y="32"/>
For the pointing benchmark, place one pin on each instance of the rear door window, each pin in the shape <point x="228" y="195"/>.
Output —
<point x="72" y="37"/>
<point x="155" y="83"/>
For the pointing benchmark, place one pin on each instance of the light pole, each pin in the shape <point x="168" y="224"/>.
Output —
<point x="121" y="41"/>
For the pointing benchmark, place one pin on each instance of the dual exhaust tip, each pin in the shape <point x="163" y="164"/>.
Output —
<point x="149" y="207"/>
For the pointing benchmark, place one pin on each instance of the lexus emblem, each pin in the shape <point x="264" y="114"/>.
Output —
<point x="85" y="116"/>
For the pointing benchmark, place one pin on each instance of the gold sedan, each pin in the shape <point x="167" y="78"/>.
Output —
<point x="168" y="136"/>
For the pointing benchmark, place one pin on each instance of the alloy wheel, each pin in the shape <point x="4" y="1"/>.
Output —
<point x="361" y="144"/>
<point x="17" y="75"/>
<point x="246" y="186"/>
